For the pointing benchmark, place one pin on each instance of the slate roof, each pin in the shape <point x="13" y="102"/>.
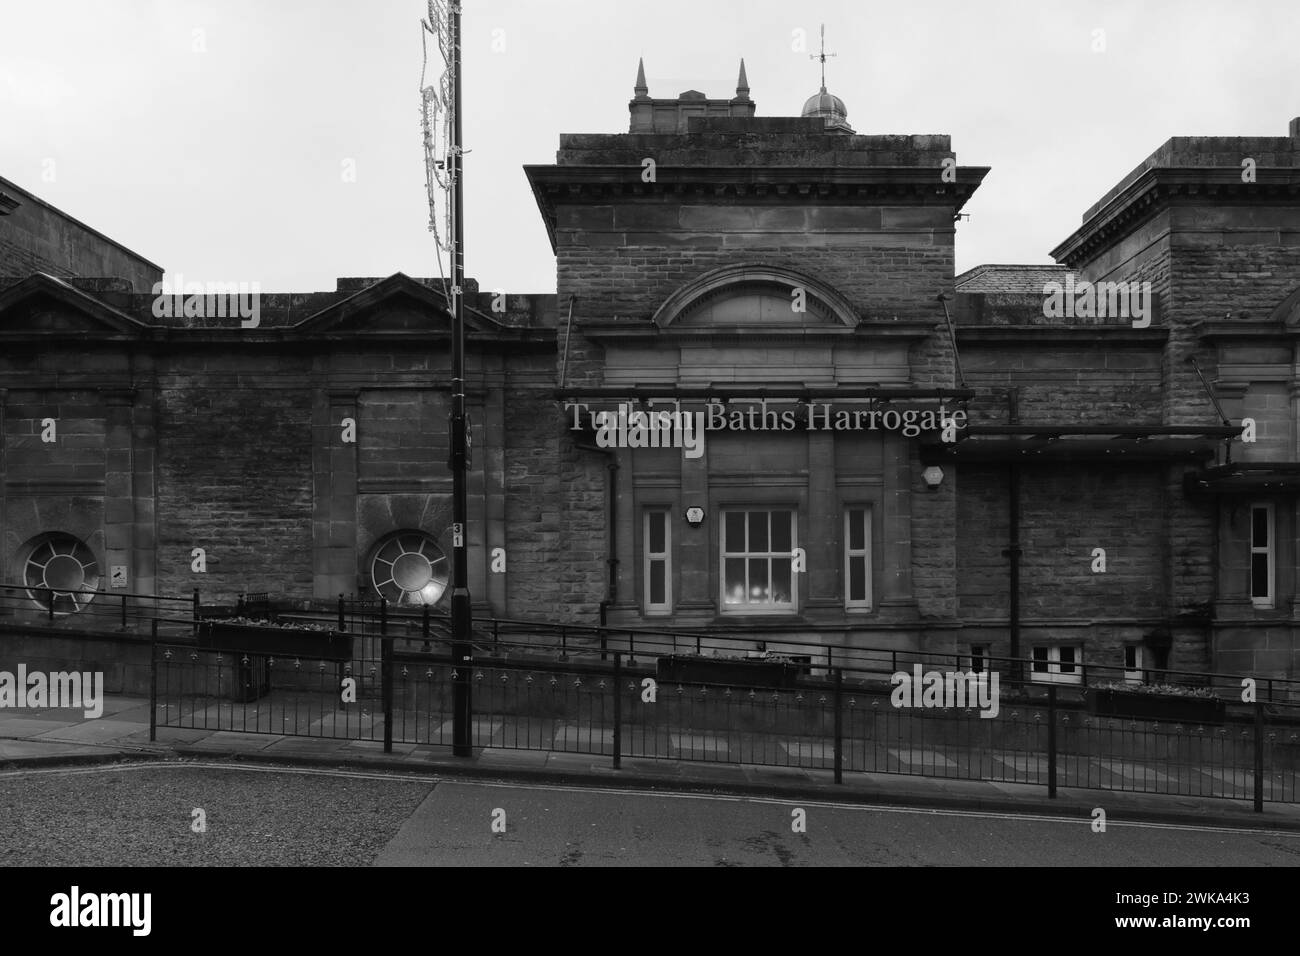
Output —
<point x="1009" y="278"/>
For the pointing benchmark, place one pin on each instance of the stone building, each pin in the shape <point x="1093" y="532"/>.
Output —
<point x="863" y="448"/>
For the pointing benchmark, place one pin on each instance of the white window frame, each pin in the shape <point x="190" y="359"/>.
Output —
<point x="1136" y="674"/>
<point x="1270" y="599"/>
<point x="863" y="604"/>
<point x="1053" y="673"/>
<point x="649" y="557"/>
<point x="746" y="556"/>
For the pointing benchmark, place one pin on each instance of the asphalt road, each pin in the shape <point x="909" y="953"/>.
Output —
<point x="144" y="815"/>
<point x="549" y="826"/>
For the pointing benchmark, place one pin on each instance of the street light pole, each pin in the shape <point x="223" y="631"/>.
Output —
<point x="461" y="650"/>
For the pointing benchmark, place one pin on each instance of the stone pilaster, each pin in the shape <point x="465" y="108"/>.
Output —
<point x="334" y="479"/>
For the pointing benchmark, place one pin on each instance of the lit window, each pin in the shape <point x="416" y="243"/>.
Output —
<point x="1058" y="663"/>
<point x="409" y="568"/>
<point x="757" y="558"/>
<point x="61" y="570"/>
<point x="658" y="583"/>
<point x="1261" y="555"/>
<point x="857" y="557"/>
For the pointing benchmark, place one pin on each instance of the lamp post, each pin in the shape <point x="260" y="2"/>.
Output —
<point x="461" y="650"/>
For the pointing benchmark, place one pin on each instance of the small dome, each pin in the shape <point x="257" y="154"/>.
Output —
<point x="828" y="106"/>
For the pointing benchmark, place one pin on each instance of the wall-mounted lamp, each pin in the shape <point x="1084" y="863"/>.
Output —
<point x="694" y="517"/>
<point x="933" y="477"/>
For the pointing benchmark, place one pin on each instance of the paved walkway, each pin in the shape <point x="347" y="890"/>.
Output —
<point x="31" y="738"/>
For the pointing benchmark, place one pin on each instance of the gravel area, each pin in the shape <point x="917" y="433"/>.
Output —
<point x="142" y="816"/>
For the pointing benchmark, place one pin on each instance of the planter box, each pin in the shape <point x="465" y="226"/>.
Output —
<point x="711" y="670"/>
<point x="276" y="641"/>
<point x="1164" y="708"/>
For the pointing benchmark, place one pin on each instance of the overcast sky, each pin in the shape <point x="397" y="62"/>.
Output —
<point x="226" y="162"/>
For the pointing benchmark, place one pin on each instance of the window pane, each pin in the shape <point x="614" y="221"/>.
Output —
<point x="857" y="579"/>
<point x="657" y="581"/>
<point x="1067" y="660"/>
<point x="781" y="580"/>
<point x="735" y="581"/>
<point x="1259" y="534"/>
<point x="657" y="522"/>
<point x="781" y="541"/>
<point x="1040" y="660"/>
<point x="857" y="530"/>
<point x="1131" y="657"/>
<point x="735" y="534"/>
<point x="759" y="593"/>
<point x="1259" y="576"/>
<point x="757" y="532"/>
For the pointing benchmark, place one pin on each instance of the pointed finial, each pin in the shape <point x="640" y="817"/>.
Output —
<point x="640" y="89"/>
<point x="822" y="56"/>
<point x="742" y="82"/>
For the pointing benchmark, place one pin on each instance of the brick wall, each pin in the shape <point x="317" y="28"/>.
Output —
<point x="402" y="434"/>
<point x="234" y="474"/>
<point x="618" y="272"/>
<point x="76" y="454"/>
<point x="1065" y="514"/>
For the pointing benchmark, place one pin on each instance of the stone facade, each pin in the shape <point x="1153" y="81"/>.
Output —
<point x="36" y="237"/>
<point x="707" y="261"/>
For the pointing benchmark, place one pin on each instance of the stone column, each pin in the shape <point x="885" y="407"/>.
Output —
<point x="892" y="525"/>
<point x="627" y="521"/>
<point x="821" y="530"/>
<point x="698" y="574"/>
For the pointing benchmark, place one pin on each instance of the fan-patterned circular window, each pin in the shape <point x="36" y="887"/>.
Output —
<point x="61" y="569"/>
<point x="409" y="568"/>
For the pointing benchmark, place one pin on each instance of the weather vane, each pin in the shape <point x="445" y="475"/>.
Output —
<point x="822" y="56"/>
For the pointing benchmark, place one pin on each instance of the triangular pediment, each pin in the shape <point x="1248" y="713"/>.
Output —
<point x="43" y="305"/>
<point x="396" y="306"/>
<point x="1288" y="311"/>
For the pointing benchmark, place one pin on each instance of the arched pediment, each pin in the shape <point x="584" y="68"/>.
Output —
<point x="755" y="296"/>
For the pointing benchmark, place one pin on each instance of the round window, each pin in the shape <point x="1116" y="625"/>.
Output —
<point x="60" y="569"/>
<point x="409" y="568"/>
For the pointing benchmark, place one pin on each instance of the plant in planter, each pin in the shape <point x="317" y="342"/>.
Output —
<point x="765" y="670"/>
<point x="276" y="638"/>
<point x="254" y="642"/>
<point x="1156" y="702"/>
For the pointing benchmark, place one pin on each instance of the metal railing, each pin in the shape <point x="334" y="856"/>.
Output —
<point x="574" y="689"/>
<point x="585" y="640"/>
<point x="846" y="720"/>
<point x="109" y="610"/>
<point x="124" y="611"/>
